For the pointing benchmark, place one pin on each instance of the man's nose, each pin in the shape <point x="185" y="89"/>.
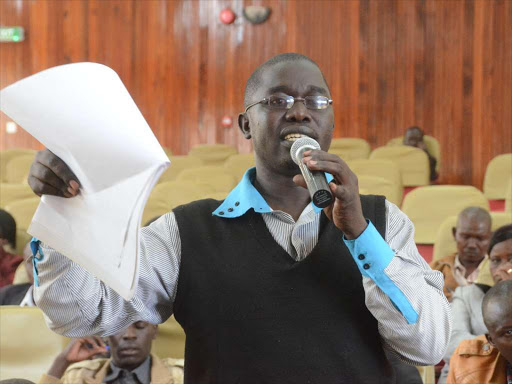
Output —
<point x="130" y="333"/>
<point x="473" y="243"/>
<point x="298" y="112"/>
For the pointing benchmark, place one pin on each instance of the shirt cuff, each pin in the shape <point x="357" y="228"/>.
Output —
<point x="372" y="255"/>
<point x="34" y="245"/>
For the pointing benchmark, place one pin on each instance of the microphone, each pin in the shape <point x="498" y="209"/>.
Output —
<point x="316" y="181"/>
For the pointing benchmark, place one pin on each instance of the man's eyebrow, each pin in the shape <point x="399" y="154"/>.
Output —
<point x="288" y="90"/>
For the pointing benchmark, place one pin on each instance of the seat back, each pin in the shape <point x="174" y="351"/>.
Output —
<point x="508" y="198"/>
<point x="178" y="164"/>
<point x="27" y="347"/>
<point x="213" y="154"/>
<point x="413" y="163"/>
<point x="350" y="148"/>
<point x="498" y="176"/>
<point x="433" y="147"/>
<point x="17" y="169"/>
<point x="429" y="206"/>
<point x="217" y="177"/>
<point x="170" y="340"/>
<point x="8" y="154"/>
<point x="23" y="211"/>
<point x="13" y="192"/>
<point x="238" y="164"/>
<point x="374" y="185"/>
<point x="21" y="276"/>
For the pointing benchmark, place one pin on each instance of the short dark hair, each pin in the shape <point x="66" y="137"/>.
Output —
<point x="476" y="212"/>
<point x="8" y="227"/>
<point x="415" y="128"/>
<point x="254" y="80"/>
<point x="500" y="293"/>
<point x="500" y="235"/>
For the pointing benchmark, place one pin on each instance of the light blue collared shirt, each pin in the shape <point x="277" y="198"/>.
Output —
<point x="370" y="251"/>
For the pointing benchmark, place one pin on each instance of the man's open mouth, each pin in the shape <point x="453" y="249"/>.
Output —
<point x="294" y="136"/>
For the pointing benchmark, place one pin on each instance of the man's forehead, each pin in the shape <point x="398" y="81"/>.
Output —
<point x="472" y="223"/>
<point x="298" y="76"/>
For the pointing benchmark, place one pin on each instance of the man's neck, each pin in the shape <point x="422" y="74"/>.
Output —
<point x="281" y="193"/>
<point x="470" y="266"/>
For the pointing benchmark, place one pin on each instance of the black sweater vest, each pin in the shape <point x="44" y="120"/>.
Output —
<point x="252" y="314"/>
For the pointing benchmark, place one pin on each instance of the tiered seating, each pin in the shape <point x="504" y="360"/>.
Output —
<point x="413" y="163"/>
<point x="170" y="340"/>
<point x="9" y="154"/>
<point x="497" y="177"/>
<point x="433" y="147"/>
<point x="17" y="169"/>
<point x="179" y="164"/>
<point x="350" y="148"/>
<point x="217" y="177"/>
<point x="239" y="163"/>
<point x="429" y="206"/>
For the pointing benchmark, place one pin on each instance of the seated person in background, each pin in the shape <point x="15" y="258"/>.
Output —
<point x="488" y="359"/>
<point x="131" y="361"/>
<point x="468" y="321"/>
<point x="8" y="260"/>
<point x="414" y="138"/>
<point x="21" y="294"/>
<point x="472" y="235"/>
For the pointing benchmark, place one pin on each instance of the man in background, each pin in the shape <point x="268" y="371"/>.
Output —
<point x="414" y="138"/>
<point x="488" y="359"/>
<point x="472" y="235"/>
<point x="8" y="260"/>
<point x="21" y="294"/>
<point x="131" y="361"/>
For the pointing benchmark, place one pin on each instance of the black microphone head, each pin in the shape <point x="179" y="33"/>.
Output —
<point x="300" y="145"/>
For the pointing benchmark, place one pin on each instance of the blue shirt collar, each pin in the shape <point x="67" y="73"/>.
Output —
<point x="244" y="197"/>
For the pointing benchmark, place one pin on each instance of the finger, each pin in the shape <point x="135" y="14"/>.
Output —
<point x="99" y="342"/>
<point x="334" y="168"/>
<point x="300" y="181"/>
<point x="59" y="167"/>
<point x="41" y="188"/>
<point x="46" y="175"/>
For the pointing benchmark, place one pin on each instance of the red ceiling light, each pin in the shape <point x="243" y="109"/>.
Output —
<point x="227" y="16"/>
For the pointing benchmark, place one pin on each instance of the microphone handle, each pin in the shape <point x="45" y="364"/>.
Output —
<point x="317" y="186"/>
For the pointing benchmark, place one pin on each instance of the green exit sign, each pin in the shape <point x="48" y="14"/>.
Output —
<point x="12" y="34"/>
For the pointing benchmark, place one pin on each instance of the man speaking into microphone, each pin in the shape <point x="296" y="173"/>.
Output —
<point x="268" y="287"/>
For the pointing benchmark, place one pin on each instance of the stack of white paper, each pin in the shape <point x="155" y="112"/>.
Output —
<point x="83" y="113"/>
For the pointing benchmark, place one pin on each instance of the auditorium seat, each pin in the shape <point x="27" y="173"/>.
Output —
<point x="167" y="196"/>
<point x="215" y="176"/>
<point x="375" y="185"/>
<point x="22" y="238"/>
<point x="21" y="276"/>
<point x="28" y="347"/>
<point x="7" y="154"/>
<point x="433" y="147"/>
<point x="445" y="243"/>
<point x="350" y="148"/>
<point x="413" y="163"/>
<point x="167" y="151"/>
<point x="178" y="164"/>
<point x="170" y="340"/>
<point x="23" y="211"/>
<point x="427" y="374"/>
<point x="213" y="154"/>
<point x="429" y="206"/>
<point x="498" y="176"/>
<point x="17" y="169"/>
<point x="239" y="163"/>
<point x="13" y="192"/>
<point x="484" y="276"/>
<point x="508" y="198"/>
<point x="386" y="169"/>
<point x="216" y="195"/>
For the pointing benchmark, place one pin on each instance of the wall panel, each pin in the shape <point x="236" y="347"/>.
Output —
<point x="444" y="65"/>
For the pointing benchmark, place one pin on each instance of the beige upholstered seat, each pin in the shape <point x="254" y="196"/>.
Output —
<point x="213" y="154"/>
<point x="179" y="164"/>
<point x="217" y="177"/>
<point x="238" y="164"/>
<point x="413" y="163"/>
<point x="350" y="148"/>
<point x="17" y="169"/>
<point x="429" y="206"/>
<point x="498" y="175"/>
<point x="170" y="340"/>
<point x="9" y="154"/>
<point x="13" y="192"/>
<point x="433" y="147"/>
<point x="27" y="346"/>
<point x="374" y="185"/>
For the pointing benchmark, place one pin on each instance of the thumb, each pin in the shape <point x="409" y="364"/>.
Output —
<point x="299" y="180"/>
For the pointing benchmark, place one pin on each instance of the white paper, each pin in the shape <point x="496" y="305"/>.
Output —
<point x="83" y="113"/>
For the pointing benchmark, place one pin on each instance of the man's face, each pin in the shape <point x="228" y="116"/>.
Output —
<point x="269" y="127"/>
<point x="500" y="328"/>
<point x="132" y="346"/>
<point x="413" y="137"/>
<point x="501" y="261"/>
<point x="472" y="236"/>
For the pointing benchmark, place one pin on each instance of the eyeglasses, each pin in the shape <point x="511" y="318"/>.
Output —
<point x="287" y="102"/>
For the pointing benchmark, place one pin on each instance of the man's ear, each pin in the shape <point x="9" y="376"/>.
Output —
<point x="155" y="331"/>
<point x="489" y="339"/>
<point x="454" y="231"/>
<point x="243" y="124"/>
